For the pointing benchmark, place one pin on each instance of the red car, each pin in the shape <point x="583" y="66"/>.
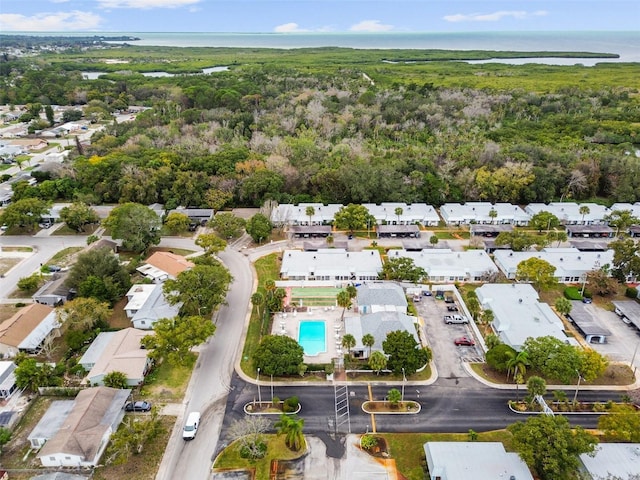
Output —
<point x="468" y="341"/>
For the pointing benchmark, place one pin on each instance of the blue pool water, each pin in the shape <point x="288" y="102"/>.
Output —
<point x="312" y="337"/>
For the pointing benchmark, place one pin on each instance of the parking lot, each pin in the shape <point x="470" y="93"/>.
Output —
<point x="447" y="356"/>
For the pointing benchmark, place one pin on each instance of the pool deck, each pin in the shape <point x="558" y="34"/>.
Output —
<point x="289" y="324"/>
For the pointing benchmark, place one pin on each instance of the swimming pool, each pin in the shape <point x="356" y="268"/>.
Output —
<point x="312" y="337"/>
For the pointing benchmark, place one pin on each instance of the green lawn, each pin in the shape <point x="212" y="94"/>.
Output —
<point x="64" y="256"/>
<point x="168" y="382"/>
<point x="276" y="450"/>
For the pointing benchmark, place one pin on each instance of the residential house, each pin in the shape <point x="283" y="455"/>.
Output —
<point x="28" y="329"/>
<point x="288" y="214"/>
<point x="147" y="304"/>
<point x="198" y="216"/>
<point x="30" y="144"/>
<point x="483" y="213"/>
<point x="119" y="351"/>
<point x="7" y="379"/>
<point x="54" y="292"/>
<point x="473" y="460"/>
<point x="381" y="297"/>
<point x="443" y="265"/>
<point x="379" y="325"/>
<point x="612" y="460"/>
<point x="161" y="266"/>
<point x="571" y="264"/>
<point x="50" y="423"/>
<point x="85" y="432"/>
<point x="518" y="314"/>
<point x="569" y="212"/>
<point x="332" y="264"/>
<point x="409" y="214"/>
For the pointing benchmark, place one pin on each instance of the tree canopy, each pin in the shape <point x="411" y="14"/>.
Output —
<point x="138" y="226"/>
<point x="353" y="217"/>
<point x="259" y="227"/>
<point x="537" y="271"/>
<point x="174" y="338"/>
<point x="98" y="273"/>
<point x="549" y="446"/>
<point x="77" y="215"/>
<point x="404" y="352"/>
<point x="200" y="289"/>
<point x="402" y="268"/>
<point x="278" y="355"/>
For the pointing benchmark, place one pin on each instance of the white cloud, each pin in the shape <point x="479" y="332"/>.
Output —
<point x="50" y="22"/>
<point x="291" y="27"/>
<point x="370" y="26"/>
<point x="494" y="16"/>
<point x="146" y="4"/>
<point x="59" y="1"/>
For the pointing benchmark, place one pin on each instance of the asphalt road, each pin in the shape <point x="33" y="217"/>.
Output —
<point x="211" y="379"/>
<point x="448" y="405"/>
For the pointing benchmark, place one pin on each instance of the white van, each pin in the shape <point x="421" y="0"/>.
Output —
<point x="191" y="426"/>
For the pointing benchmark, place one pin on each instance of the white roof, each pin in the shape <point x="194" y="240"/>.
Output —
<point x="443" y="262"/>
<point x="155" y="308"/>
<point x="569" y="212"/>
<point x="518" y="314"/>
<point x="331" y="262"/>
<point x="415" y="212"/>
<point x="379" y="324"/>
<point x="138" y="295"/>
<point x="474" y="460"/>
<point x="613" y="460"/>
<point x="381" y="293"/>
<point x="288" y="213"/>
<point x="569" y="262"/>
<point x="635" y="208"/>
<point x="479" y="212"/>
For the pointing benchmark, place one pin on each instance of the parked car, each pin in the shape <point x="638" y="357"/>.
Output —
<point x="54" y="268"/>
<point x="452" y="308"/>
<point x="586" y="300"/>
<point x="426" y="293"/>
<point x="449" y="299"/>
<point x="449" y="319"/>
<point x="465" y="340"/>
<point x="137" y="407"/>
<point x="439" y="294"/>
<point x="416" y="298"/>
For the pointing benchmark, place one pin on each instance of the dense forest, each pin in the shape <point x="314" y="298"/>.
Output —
<point x="337" y="125"/>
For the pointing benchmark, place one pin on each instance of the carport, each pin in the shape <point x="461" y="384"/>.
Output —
<point x="629" y="309"/>
<point x="588" y="324"/>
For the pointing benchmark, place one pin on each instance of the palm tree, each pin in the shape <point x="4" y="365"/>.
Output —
<point x="493" y="214"/>
<point x="258" y="300"/>
<point x="487" y="316"/>
<point x="368" y="341"/>
<point x="310" y="212"/>
<point x="344" y="300"/>
<point x="348" y="342"/>
<point x="377" y="361"/>
<point x="398" y="212"/>
<point x="584" y="210"/>
<point x="291" y="426"/>
<point x="394" y="396"/>
<point x="518" y="363"/>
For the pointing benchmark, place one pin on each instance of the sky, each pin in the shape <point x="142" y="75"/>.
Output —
<point x="340" y="16"/>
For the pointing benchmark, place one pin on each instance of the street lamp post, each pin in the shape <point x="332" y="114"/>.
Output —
<point x="575" y="396"/>
<point x="272" y="388"/>
<point x="258" y="382"/>
<point x="584" y="283"/>
<point x="633" y="359"/>
<point x="404" y="379"/>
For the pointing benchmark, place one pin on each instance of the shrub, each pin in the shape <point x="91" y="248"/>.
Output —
<point x="254" y="452"/>
<point x="275" y="401"/>
<point x="290" y="404"/>
<point x="631" y="292"/>
<point x="368" y="442"/>
<point x="572" y="293"/>
<point x="30" y="283"/>
<point x="498" y="356"/>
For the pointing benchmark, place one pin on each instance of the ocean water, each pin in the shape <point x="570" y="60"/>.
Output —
<point x="625" y="44"/>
